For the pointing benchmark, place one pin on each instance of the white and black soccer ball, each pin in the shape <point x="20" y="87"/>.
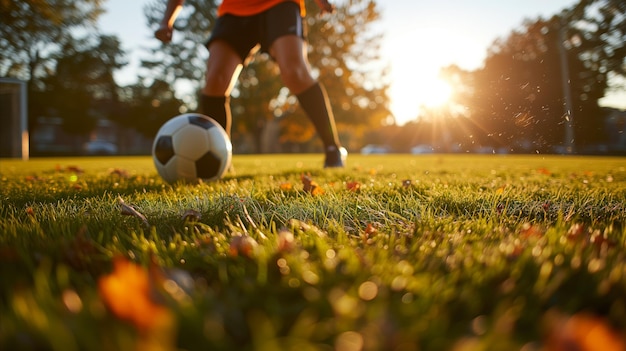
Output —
<point x="190" y="147"/>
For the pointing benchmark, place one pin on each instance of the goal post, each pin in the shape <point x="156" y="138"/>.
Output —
<point x="14" y="141"/>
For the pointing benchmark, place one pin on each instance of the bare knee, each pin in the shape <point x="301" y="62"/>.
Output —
<point x="223" y="68"/>
<point x="217" y="82"/>
<point x="296" y="77"/>
<point x="289" y="52"/>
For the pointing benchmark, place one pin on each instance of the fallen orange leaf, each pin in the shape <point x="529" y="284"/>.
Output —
<point x="368" y="233"/>
<point x="544" y="171"/>
<point x="31" y="178"/>
<point x="370" y="229"/>
<point x="285" y="186"/>
<point x="311" y="186"/>
<point x="500" y="190"/>
<point x="575" y="232"/>
<point x="531" y="231"/>
<point x="242" y="245"/>
<point x="127" y="294"/>
<point x="286" y="240"/>
<point x="584" y="332"/>
<point x="353" y="186"/>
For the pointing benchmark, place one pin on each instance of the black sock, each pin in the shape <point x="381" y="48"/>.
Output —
<point x="316" y="105"/>
<point x="218" y="108"/>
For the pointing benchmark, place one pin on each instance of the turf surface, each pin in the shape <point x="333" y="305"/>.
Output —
<point x="394" y="252"/>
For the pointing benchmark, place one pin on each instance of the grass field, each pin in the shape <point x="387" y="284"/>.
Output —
<point x="394" y="252"/>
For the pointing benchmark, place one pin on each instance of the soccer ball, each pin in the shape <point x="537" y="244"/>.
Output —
<point x="190" y="147"/>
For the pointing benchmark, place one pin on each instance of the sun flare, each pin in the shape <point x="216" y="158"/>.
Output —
<point x="408" y="97"/>
<point x="435" y="93"/>
<point x="415" y="73"/>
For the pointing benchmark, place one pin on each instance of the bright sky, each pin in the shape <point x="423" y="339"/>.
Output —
<point x="453" y="31"/>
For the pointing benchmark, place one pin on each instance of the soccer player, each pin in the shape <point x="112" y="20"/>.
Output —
<point x="274" y="26"/>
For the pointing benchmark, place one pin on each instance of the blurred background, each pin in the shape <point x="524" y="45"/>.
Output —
<point x="86" y="77"/>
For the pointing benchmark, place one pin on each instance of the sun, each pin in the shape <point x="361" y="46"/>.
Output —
<point x="435" y="93"/>
<point x="409" y="96"/>
<point x="417" y="54"/>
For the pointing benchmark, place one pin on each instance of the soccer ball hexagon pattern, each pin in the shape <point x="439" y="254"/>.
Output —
<point x="190" y="147"/>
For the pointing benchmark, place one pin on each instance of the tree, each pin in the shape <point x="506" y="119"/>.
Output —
<point x="33" y="31"/>
<point x="82" y="79"/>
<point x="517" y="98"/>
<point x="595" y="34"/>
<point x="518" y="92"/>
<point x="34" y="35"/>
<point x="602" y="26"/>
<point x="148" y="105"/>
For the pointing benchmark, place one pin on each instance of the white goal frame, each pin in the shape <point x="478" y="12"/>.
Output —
<point x="14" y="119"/>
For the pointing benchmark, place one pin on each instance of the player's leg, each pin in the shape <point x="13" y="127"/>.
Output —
<point x="232" y="41"/>
<point x="223" y="67"/>
<point x="295" y="74"/>
<point x="288" y="51"/>
<point x="287" y="47"/>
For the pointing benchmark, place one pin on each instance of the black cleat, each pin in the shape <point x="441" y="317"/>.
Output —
<point x="335" y="157"/>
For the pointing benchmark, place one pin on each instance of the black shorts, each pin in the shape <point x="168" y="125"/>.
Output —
<point x="244" y="33"/>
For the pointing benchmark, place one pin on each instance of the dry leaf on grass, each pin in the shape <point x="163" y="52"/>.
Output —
<point x="311" y="186"/>
<point x="74" y="169"/>
<point x="242" y="245"/>
<point x="286" y="240"/>
<point x="191" y="216"/>
<point x="128" y="210"/>
<point x="353" y="186"/>
<point x="119" y="172"/>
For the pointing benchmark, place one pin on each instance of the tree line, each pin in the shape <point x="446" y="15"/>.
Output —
<point x="540" y="86"/>
<point x="518" y="97"/>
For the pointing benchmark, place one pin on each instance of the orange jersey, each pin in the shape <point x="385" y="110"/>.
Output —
<point x="251" y="7"/>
